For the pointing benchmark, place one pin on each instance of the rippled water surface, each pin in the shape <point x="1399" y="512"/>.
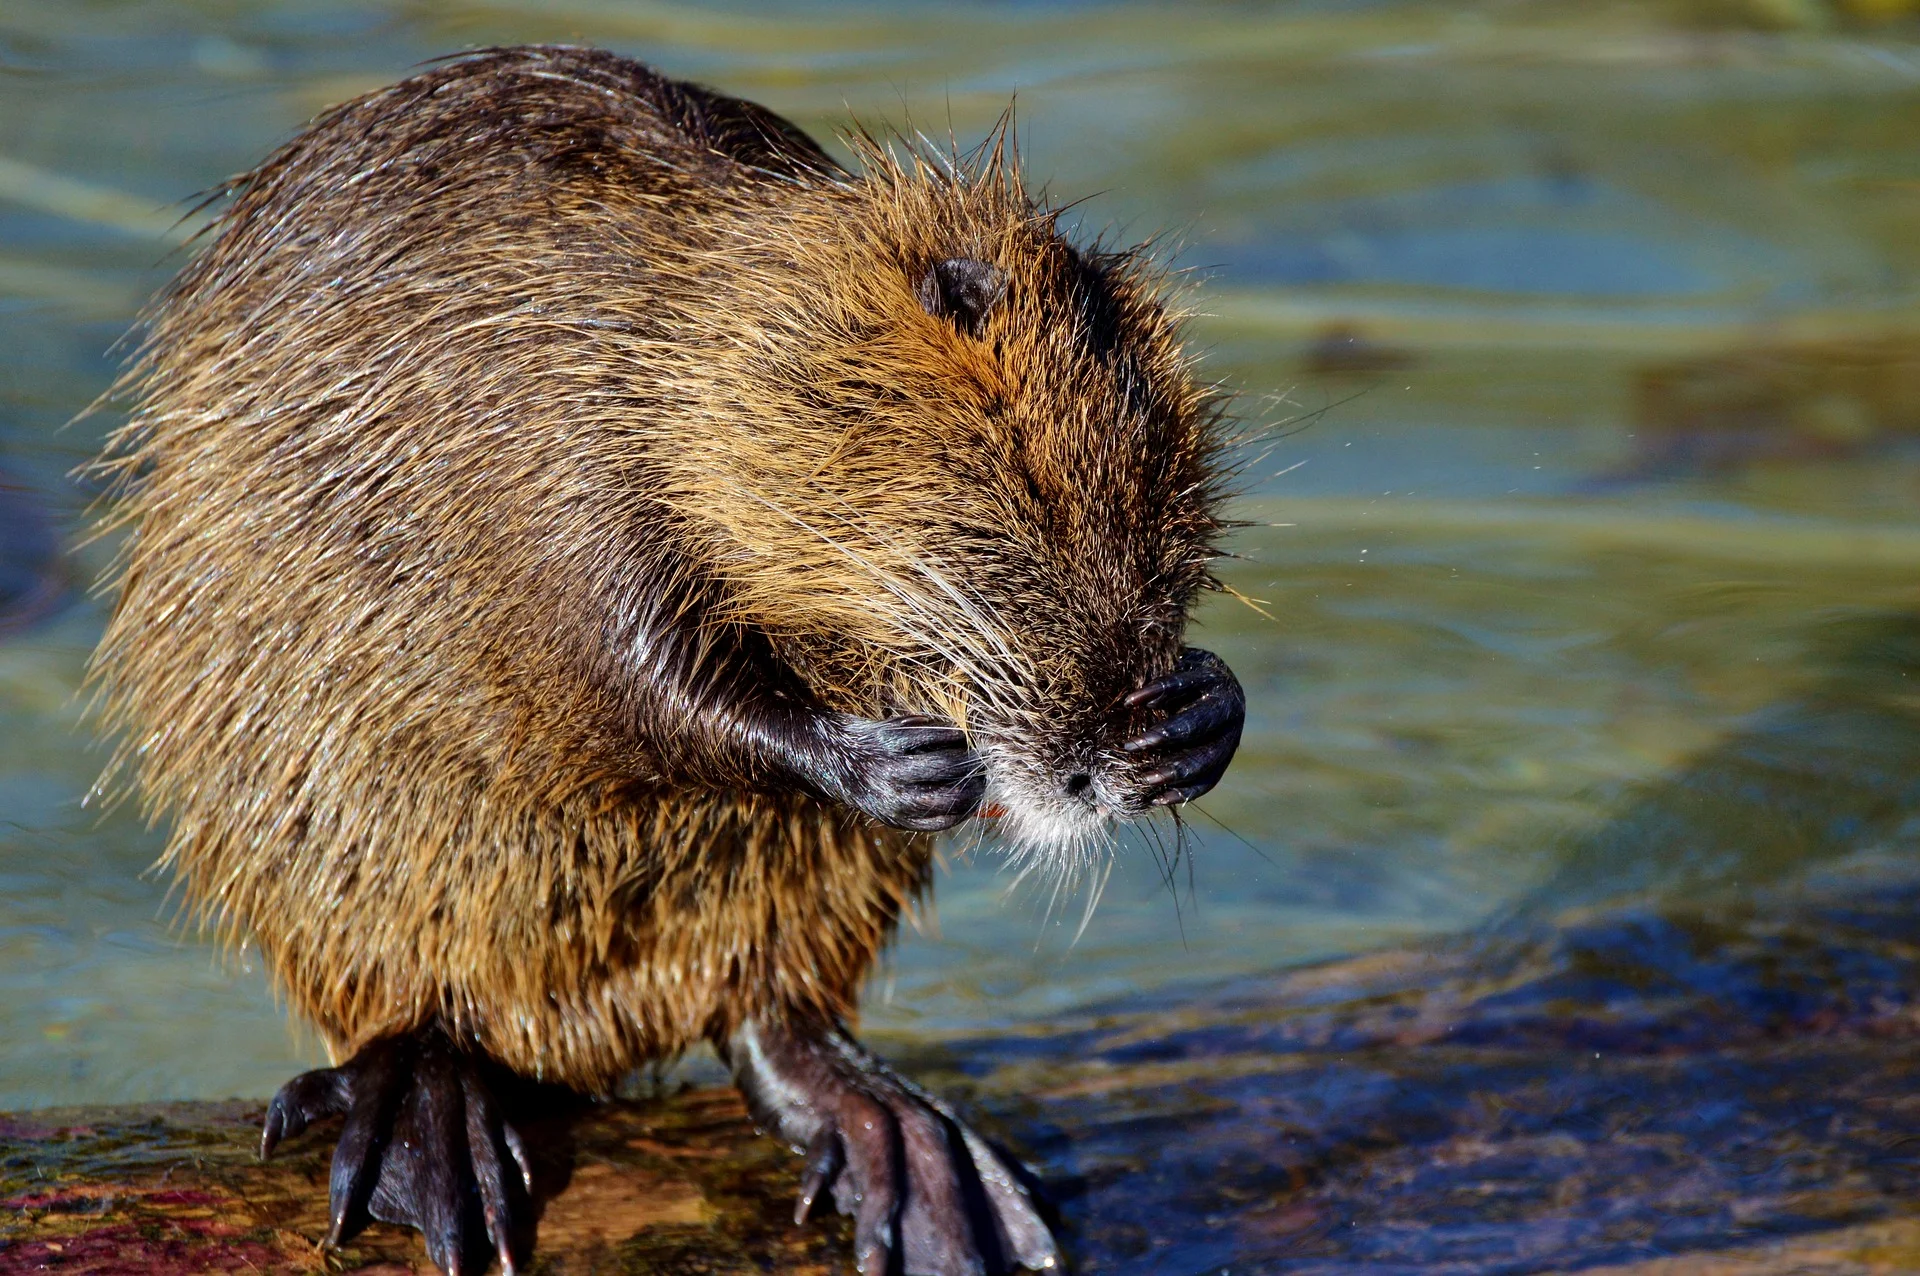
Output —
<point x="1581" y="551"/>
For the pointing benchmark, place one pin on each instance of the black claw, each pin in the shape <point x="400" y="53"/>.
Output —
<point x="283" y="1122"/>
<point x="1185" y="793"/>
<point x="489" y="1173"/>
<point x="519" y="1152"/>
<point x="301" y="1101"/>
<point x="443" y="1243"/>
<point x="1165" y="688"/>
<point x="1209" y="760"/>
<point x="1203" y="720"/>
<point x="825" y="1159"/>
<point x="916" y="734"/>
<point x="355" y="1157"/>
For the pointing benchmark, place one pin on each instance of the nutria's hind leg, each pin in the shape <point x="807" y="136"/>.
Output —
<point x="929" y="1197"/>
<point x="425" y="1145"/>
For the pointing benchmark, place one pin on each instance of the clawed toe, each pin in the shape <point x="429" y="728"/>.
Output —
<point x="825" y="1160"/>
<point x="912" y="773"/>
<point x="424" y="1145"/>
<point x="920" y="1185"/>
<point x="307" y="1098"/>
<point x="1198" y="711"/>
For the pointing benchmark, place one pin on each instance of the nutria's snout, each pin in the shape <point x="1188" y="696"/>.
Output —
<point x="1166" y="742"/>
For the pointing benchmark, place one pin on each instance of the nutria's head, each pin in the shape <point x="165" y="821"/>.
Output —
<point x="960" y="465"/>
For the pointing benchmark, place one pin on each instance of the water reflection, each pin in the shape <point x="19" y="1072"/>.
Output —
<point x="1779" y="404"/>
<point x="1564" y="234"/>
<point x="1830" y="771"/>
<point x="33" y="576"/>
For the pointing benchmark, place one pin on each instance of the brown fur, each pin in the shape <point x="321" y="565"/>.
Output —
<point x="489" y="380"/>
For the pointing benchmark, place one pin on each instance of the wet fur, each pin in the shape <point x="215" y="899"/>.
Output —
<point x="536" y="436"/>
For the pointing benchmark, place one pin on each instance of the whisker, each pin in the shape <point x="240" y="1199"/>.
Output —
<point x="1150" y="834"/>
<point x="1231" y="832"/>
<point x="1093" y="899"/>
<point x="1181" y="846"/>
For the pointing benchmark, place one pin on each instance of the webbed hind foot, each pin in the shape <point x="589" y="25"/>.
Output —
<point x="929" y="1197"/>
<point x="424" y="1145"/>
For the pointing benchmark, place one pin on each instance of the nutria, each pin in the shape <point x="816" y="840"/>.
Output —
<point x="582" y="540"/>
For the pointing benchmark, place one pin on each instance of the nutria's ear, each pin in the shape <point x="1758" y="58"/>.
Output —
<point x="962" y="290"/>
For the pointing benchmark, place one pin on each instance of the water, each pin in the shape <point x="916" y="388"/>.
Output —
<point x="1527" y="635"/>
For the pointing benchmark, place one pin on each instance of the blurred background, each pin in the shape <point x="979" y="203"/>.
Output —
<point x="1582" y="557"/>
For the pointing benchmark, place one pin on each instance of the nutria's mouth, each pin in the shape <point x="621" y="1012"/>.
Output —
<point x="1181" y="732"/>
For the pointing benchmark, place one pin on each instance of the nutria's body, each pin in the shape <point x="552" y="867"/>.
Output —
<point x="552" y="491"/>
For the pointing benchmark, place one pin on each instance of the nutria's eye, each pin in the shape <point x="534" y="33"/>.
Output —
<point x="960" y="289"/>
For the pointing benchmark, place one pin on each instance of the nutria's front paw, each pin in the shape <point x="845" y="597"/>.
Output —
<point x="922" y="1188"/>
<point x="913" y="772"/>
<point x="1200" y="711"/>
<point x="424" y="1146"/>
